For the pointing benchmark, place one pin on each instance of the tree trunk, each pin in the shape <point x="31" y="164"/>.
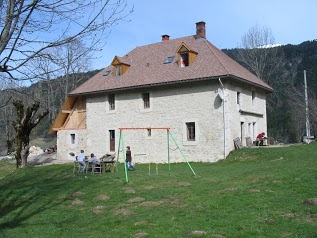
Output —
<point x="24" y="156"/>
<point x="25" y="122"/>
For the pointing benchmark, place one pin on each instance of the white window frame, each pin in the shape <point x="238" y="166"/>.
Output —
<point x="107" y="106"/>
<point x="72" y="141"/>
<point x="141" y="103"/>
<point x="197" y="132"/>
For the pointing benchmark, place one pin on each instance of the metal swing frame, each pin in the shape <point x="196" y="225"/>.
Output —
<point x="169" y="135"/>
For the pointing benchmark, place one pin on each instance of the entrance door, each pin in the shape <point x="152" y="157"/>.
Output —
<point x="242" y="132"/>
<point x="112" y="140"/>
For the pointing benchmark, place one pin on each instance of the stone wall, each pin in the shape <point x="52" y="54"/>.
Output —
<point x="170" y="107"/>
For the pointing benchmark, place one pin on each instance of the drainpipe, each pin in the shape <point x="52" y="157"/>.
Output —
<point x="224" y="121"/>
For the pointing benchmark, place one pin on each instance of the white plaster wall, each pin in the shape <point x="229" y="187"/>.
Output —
<point x="65" y="145"/>
<point x="258" y="106"/>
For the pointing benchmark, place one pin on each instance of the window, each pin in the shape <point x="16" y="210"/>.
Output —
<point x="72" y="139"/>
<point x="190" y="131"/>
<point x="111" y="100"/>
<point x="106" y="73"/>
<point x="149" y="132"/>
<point x="184" y="59"/>
<point x="169" y="60"/>
<point x="146" y="100"/>
<point x="253" y="96"/>
<point x="118" y="70"/>
<point x="238" y="97"/>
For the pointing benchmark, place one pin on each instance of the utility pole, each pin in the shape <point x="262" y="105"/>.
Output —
<point x="308" y="137"/>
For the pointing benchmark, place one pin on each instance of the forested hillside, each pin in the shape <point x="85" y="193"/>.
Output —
<point x="285" y="106"/>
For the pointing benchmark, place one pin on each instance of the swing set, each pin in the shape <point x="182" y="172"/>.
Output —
<point x="169" y="135"/>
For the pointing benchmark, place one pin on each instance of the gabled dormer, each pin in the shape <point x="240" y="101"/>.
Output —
<point x="119" y="67"/>
<point x="186" y="56"/>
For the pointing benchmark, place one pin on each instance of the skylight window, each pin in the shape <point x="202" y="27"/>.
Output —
<point x="169" y="60"/>
<point x="106" y="73"/>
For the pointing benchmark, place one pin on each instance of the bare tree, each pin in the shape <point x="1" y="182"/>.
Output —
<point x="31" y="27"/>
<point x="259" y="52"/>
<point x="61" y="74"/>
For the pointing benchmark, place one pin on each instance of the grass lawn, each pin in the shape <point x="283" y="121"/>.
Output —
<point x="262" y="192"/>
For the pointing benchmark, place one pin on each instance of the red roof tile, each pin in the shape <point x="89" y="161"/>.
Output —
<point x="147" y="67"/>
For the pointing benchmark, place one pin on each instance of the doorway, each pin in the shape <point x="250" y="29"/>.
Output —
<point x="242" y="132"/>
<point x="112" y="139"/>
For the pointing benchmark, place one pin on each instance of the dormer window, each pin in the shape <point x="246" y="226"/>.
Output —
<point x="186" y="56"/>
<point x="119" y="66"/>
<point x="118" y="70"/>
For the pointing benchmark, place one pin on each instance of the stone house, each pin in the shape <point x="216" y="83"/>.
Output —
<point x="185" y="84"/>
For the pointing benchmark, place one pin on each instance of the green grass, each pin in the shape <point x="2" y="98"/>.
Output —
<point x="254" y="193"/>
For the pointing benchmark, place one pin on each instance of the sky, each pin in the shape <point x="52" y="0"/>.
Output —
<point x="291" y="22"/>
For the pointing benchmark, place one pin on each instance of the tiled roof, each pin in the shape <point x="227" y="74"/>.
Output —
<point x="147" y="67"/>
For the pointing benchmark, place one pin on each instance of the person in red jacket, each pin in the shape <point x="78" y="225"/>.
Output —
<point x="259" y="138"/>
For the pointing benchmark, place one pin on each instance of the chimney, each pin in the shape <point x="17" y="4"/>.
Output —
<point x="200" y="30"/>
<point x="165" y="37"/>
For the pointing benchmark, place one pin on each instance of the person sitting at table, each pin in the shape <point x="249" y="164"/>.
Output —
<point x="93" y="160"/>
<point x="259" y="139"/>
<point x="81" y="160"/>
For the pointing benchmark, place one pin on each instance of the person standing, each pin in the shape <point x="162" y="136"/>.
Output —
<point x="130" y="165"/>
<point x="81" y="161"/>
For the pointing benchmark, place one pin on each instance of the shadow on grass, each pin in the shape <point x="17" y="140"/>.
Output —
<point x="30" y="191"/>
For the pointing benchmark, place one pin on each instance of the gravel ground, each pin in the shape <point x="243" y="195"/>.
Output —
<point x="40" y="160"/>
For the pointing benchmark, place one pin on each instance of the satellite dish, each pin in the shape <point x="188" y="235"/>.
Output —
<point x="220" y="93"/>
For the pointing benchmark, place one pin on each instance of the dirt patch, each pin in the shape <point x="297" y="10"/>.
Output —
<point x="151" y="204"/>
<point x="268" y="220"/>
<point x="254" y="191"/>
<point x="177" y="203"/>
<point x="61" y="197"/>
<point x="289" y="214"/>
<point x="228" y="190"/>
<point x="310" y="201"/>
<point x="140" y="235"/>
<point x="124" y="212"/>
<point x="98" y="209"/>
<point x="183" y="184"/>
<point x="103" y="197"/>
<point x="77" y="193"/>
<point x="129" y="191"/>
<point x="137" y="199"/>
<point x="140" y="223"/>
<point x="197" y="233"/>
<point x="312" y="218"/>
<point x="77" y="202"/>
<point x="149" y="187"/>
